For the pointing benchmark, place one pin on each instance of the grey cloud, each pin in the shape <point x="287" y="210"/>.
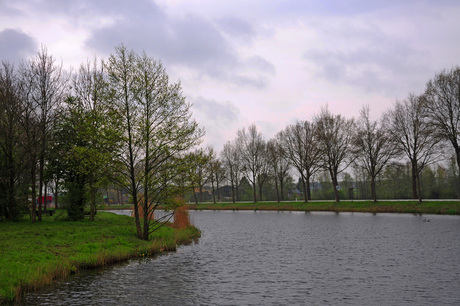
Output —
<point x="371" y="60"/>
<point x="190" y="41"/>
<point x="216" y="112"/>
<point x="237" y="28"/>
<point x="15" y="45"/>
<point x="261" y="64"/>
<point x="220" y="120"/>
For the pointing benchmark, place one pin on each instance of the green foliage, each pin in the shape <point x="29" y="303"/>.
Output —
<point x="157" y="128"/>
<point x="74" y="200"/>
<point x="61" y="215"/>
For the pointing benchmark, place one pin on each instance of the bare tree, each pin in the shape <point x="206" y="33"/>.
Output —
<point x="443" y="105"/>
<point x="334" y="134"/>
<point x="300" y="147"/>
<point x="408" y="125"/>
<point x="12" y="155"/>
<point x="217" y="174"/>
<point x="231" y="162"/>
<point x="280" y="166"/>
<point x="373" y="147"/>
<point x="251" y="147"/>
<point x="47" y="83"/>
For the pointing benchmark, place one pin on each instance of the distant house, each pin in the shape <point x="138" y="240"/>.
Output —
<point x="294" y="193"/>
<point x="49" y="203"/>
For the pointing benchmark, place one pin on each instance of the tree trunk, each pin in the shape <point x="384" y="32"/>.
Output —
<point x="282" y="189"/>
<point x="305" y="195"/>
<point x="201" y="194"/>
<point x="233" y="189"/>
<point x="119" y="200"/>
<point x="260" y="190"/>
<point x="307" y="186"/>
<point x="254" y="188"/>
<point x="195" y="196"/>
<point x="218" y="192"/>
<point x="457" y="151"/>
<point x="56" y="197"/>
<point x="34" y="191"/>
<point x="92" y="211"/>
<point x="414" y="180"/>
<point x="136" y="208"/>
<point x="237" y="189"/>
<point x="335" y="184"/>
<point x="373" y="191"/>
<point x="40" y="190"/>
<point x="11" y="198"/>
<point x="277" y="192"/>
<point x="146" y="219"/>
<point x="419" y="188"/>
<point x="213" y="190"/>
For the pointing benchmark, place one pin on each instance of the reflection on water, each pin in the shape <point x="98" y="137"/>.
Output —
<point x="286" y="258"/>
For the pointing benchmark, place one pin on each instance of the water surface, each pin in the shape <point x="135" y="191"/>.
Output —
<point x="272" y="258"/>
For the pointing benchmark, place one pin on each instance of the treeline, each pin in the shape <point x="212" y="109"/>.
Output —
<point x="118" y="122"/>
<point x="412" y="151"/>
<point x="122" y="123"/>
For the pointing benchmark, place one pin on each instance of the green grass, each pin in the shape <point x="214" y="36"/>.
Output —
<point x="426" y="207"/>
<point x="34" y="254"/>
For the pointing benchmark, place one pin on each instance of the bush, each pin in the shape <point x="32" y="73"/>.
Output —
<point x="61" y="215"/>
<point x="75" y="200"/>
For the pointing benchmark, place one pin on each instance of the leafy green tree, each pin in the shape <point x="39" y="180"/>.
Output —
<point x="157" y="128"/>
<point x="90" y="138"/>
<point x="98" y="125"/>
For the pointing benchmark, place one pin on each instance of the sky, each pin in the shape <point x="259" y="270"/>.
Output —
<point x="268" y="63"/>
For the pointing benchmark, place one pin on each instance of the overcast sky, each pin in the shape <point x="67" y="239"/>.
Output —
<point x="267" y="63"/>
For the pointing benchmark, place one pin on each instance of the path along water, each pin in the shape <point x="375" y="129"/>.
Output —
<point x="267" y="258"/>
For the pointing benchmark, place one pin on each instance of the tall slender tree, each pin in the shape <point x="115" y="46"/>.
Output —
<point x="231" y="162"/>
<point x="251" y="148"/>
<point x="334" y="134"/>
<point x="48" y="88"/>
<point x="280" y="166"/>
<point x="443" y="104"/>
<point x="157" y="125"/>
<point x="373" y="147"/>
<point x="12" y="154"/>
<point x="408" y="125"/>
<point x="300" y="147"/>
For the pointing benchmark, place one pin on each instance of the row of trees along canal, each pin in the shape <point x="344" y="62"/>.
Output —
<point x="416" y="144"/>
<point x="122" y="123"/>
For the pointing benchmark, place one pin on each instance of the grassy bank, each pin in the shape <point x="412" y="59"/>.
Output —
<point x="426" y="207"/>
<point x="33" y="255"/>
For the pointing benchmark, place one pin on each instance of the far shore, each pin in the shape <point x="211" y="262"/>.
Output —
<point x="450" y="207"/>
<point x="429" y="206"/>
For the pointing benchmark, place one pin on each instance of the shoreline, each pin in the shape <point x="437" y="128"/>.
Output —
<point x="34" y="255"/>
<point x="449" y="207"/>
